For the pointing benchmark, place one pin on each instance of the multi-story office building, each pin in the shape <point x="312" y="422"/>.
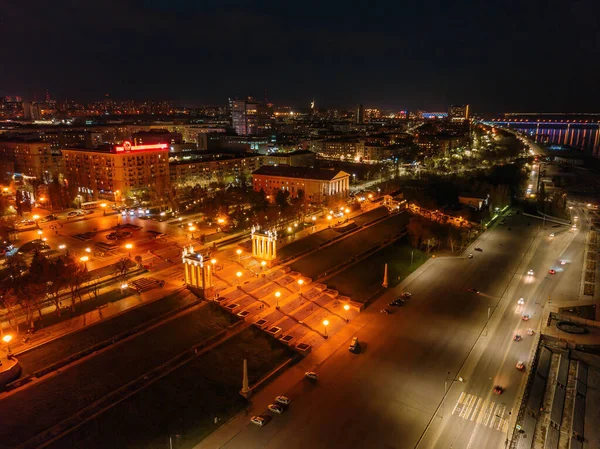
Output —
<point x="207" y="169"/>
<point x="360" y="114"/>
<point x="31" y="159"/>
<point x="117" y="172"/>
<point x="318" y="185"/>
<point x="157" y="135"/>
<point x="250" y="117"/>
<point x="458" y="113"/>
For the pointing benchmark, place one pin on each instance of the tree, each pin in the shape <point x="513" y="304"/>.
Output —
<point x="453" y="238"/>
<point x="281" y="199"/>
<point x="416" y="231"/>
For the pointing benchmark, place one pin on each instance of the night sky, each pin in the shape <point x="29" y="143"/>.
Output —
<point x="498" y="56"/>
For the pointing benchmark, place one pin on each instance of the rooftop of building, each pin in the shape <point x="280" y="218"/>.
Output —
<point x="211" y="157"/>
<point x="292" y="153"/>
<point x="298" y="172"/>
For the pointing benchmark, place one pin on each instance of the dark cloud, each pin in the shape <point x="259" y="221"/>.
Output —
<point x="497" y="55"/>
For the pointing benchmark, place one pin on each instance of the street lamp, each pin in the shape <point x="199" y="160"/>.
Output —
<point x="239" y="253"/>
<point x="40" y="232"/>
<point x="6" y="339"/>
<point x="84" y="259"/>
<point x="128" y="246"/>
<point x="124" y="287"/>
<point x="277" y="295"/>
<point x="346" y="308"/>
<point x="36" y="218"/>
<point x="325" y="324"/>
<point x="347" y="211"/>
<point x="62" y="246"/>
<point x="329" y="217"/>
<point x="88" y="250"/>
<point x="300" y="282"/>
<point x="103" y="206"/>
<point x="239" y="275"/>
<point x="263" y="264"/>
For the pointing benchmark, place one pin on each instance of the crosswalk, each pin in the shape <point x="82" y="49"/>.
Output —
<point x="481" y="411"/>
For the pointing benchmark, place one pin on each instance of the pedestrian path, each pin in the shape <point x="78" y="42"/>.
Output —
<point x="481" y="411"/>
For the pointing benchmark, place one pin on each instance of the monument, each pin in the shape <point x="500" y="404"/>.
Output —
<point x="198" y="272"/>
<point x="264" y="244"/>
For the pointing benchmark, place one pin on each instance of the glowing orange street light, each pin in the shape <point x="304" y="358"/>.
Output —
<point x="325" y="324"/>
<point x="277" y="295"/>
<point x="6" y="339"/>
<point x="128" y="247"/>
<point x="239" y="274"/>
<point x="239" y="253"/>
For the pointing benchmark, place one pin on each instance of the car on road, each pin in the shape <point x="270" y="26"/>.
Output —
<point x="473" y="290"/>
<point x="477" y="248"/>
<point x="530" y="331"/>
<point x="563" y="262"/>
<point x="498" y="389"/>
<point x="552" y="235"/>
<point x="116" y="235"/>
<point x="470" y="256"/>
<point x="74" y="213"/>
<point x="396" y="303"/>
<point x="311" y="375"/>
<point x="520" y="365"/>
<point x="275" y="408"/>
<point x="25" y="224"/>
<point x="48" y="218"/>
<point x="384" y="311"/>
<point x="521" y="301"/>
<point x="530" y="273"/>
<point x="525" y="317"/>
<point x="283" y="400"/>
<point x="406" y="295"/>
<point x="33" y="245"/>
<point x="258" y="420"/>
<point x="517" y="337"/>
<point x="354" y="346"/>
<point x="551" y="271"/>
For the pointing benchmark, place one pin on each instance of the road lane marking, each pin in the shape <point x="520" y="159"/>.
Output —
<point x="464" y="414"/>
<point x="458" y="405"/>
<point x="488" y="413"/>
<point x="476" y="410"/>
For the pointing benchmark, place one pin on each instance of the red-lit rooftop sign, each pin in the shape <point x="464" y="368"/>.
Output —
<point x="127" y="147"/>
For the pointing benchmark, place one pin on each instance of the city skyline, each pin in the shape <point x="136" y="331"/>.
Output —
<point x="392" y="57"/>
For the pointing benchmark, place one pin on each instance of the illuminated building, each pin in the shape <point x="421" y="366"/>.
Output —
<point x="318" y="185"/>
<point x="118" y="172"/>
<point x="31" y="158"/>
<point x="341" y="149"/>
<point x="360" y="114"/>
<point x="458" y="113"/>
<point x="212" y="168"/>
<point x="250" y="117"/>
<point x="299" y="158"/>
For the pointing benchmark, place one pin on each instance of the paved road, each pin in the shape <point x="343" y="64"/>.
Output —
<point x="387" y="396"/>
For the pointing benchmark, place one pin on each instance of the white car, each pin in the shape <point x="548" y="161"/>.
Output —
<point x="520" y="365"/>
<point x="530" y="272"/>
<point x="283" y="400"/>
<point x="552" y="235"/>
<point x="275" y="408"/>
<point x="258" y="420"/>
<point x="310" y="375"/>
<point x="521" y="301"/>
<point x="530" y="331"/>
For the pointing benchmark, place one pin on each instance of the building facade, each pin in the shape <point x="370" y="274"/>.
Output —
<point x="249" y="117"/>
<point x="458" y="113"/>
<point x="299" y="158"/>
<point x="214" y="168"/>
<point x="31" y="159"/>
<point x="318" y="186"/>
<point x="117" y="172"/>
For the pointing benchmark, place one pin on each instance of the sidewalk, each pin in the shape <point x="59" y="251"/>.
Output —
<point x="111" y="309"/>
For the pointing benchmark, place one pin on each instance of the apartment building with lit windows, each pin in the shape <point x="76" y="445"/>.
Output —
<point x="117" y="172"/>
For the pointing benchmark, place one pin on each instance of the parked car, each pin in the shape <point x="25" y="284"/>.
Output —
<point x="551" y="271"/>
<point x="478" y="249"/>
<point x="258" y="420"/>
<point x="275" y="408"/>
<point x="396" y="303"/>
<point x="48" y="218"/>
<point x="406" y="295"/>
<point x="311" y="375"/>
<point x="283" y="400"/>
<point x="530" y="331"/>
<point x="530" y="273"/>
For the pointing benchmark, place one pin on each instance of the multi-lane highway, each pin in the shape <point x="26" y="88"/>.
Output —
<point x="426" y="375"/>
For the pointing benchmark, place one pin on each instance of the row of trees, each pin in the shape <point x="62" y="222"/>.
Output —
<point x="46" y="280"/>
<point x="428" y="235"/>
